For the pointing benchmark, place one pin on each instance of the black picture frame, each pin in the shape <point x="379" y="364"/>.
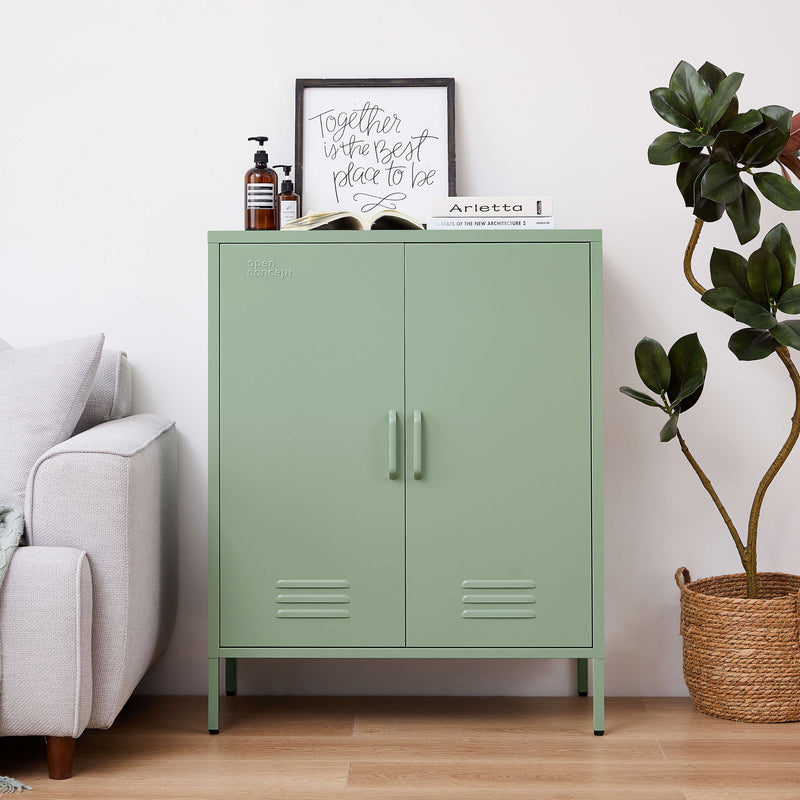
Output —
<point x="378" y="88"/>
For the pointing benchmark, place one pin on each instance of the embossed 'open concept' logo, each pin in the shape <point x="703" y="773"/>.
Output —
<point x="261" y="268"/>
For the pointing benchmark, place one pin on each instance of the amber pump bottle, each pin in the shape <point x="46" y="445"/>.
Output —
<point x="260" y="192"/>
<point x="288" y="201"/>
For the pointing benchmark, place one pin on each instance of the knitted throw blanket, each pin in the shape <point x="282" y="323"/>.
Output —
<point x="11" y="527"/>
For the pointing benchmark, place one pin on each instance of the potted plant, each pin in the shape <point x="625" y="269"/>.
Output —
<point x="741" y="640"/>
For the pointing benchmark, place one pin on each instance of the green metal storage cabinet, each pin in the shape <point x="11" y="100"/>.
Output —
<point x="405" y="447"/>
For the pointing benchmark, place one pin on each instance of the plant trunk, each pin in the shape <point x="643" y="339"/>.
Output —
<point x="750" y="567"/>
<point x="751" y="576"/>
<point x="748" y="552"/>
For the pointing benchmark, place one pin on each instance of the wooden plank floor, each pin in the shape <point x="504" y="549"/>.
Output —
<point x="466" y="748"/>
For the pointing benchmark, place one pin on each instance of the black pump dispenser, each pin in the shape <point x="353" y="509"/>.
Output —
<point x="287" y="187"/>
<point x="260" y="192"/>
<point x="288" y="201"/>
<point x="260" y="158"/>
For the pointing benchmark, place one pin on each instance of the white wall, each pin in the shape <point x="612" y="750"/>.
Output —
<point x="131" y="119"/>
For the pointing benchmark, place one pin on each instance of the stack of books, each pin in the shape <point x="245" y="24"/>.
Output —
<point x="491" y="213"/>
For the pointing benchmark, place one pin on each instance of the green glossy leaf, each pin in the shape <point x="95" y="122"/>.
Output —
<point x="721" y="99"/>
<point x="712" y="75"/>
<point x="729" y="146"/>
<point x="687" y="175"/>
<point x="745" y="213"/>
<point x="764" y="148"/>
<point x="670" y="430"/>
<point x="730" y="269"/>
<point x="790" y="301"/>
<point x="730" y="114"/>
<point x="686" y="404"/>
<point x="721" y="183"/>
<point x="749" y="344"/>
<point x="672" y="108"/>
<point x="754" y="315"/>
<point x="780" y="117"/>
<point x="707" y="210"/>
<point x="640" y="396"/>
<point x="688" y="366"/>
<point x="689" y="83"/>
<point x="667" y="149"/>
<point x="779" y="243"/>
<point x="652" y="365"/>
<point x="743" y="123"/>
<point x="788" y="333"/>
<point x="778" y="190"/>
<point x="695" y="139"/>
<point x="764" y="276"/>
<point x="723" y="299"/>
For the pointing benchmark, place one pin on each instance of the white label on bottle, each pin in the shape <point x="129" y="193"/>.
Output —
<point x="288" y="211"/>
<point x="260" y="195"/>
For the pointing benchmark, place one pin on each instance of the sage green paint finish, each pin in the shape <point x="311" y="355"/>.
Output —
<point x="596" y="447"/>
<point x="213" y="449"/>
<point x="230" y="676"/>
<point x="598" y="706"/>
<point x="409" y="652"/>
<point x="331" y="252"/>
<point x="403" y="237"/>
<point x="583" y="676"/>
<point x="497" y="360"/>
<point x="311" y="363"/>
<point x="213" y="695"/>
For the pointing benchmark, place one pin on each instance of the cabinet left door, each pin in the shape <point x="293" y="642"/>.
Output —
<point x="311" y="515"/>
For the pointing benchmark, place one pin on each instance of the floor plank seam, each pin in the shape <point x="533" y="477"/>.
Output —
<point x="661" y="749"/>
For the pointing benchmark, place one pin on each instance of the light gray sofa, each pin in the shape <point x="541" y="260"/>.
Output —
<point x="89" y="604"/>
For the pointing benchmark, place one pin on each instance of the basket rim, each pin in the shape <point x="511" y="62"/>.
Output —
<point x="688" y="586"/>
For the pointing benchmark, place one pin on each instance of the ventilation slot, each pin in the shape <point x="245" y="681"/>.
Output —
<point x="497" y="601"/>
<point x="311" y="598"/>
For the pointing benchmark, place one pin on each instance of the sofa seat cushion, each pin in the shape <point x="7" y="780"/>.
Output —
<point x="46" y="639"/>
<point x="43" y="392"/>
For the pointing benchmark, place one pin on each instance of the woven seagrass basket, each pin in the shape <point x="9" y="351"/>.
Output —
<point x="741" y="658"/>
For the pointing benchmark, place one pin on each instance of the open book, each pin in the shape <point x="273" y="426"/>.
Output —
<point x="347" y="221"/>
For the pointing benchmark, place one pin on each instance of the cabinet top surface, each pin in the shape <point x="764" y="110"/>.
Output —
<point x="401" y="236"/>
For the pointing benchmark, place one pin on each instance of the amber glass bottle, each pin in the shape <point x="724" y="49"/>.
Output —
<point x="288" y="201"/>
<point x="260" y="192"/>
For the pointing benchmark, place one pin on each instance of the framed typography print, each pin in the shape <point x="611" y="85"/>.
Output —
<point x="366" y="145"/>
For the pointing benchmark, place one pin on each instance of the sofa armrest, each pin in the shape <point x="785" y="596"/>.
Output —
<point x="111" y="491"/>
<point x="45" y="636"/>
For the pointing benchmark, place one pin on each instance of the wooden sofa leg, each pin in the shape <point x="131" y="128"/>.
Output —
<point x="60" y="754"/>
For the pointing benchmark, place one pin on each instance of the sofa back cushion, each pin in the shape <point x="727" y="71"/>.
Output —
<point x="110" y="397"/>
<point x="43" y="391"/>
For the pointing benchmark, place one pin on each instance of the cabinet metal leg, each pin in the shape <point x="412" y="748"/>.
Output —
<point x="213" y="695"/>
<point x="583" y="677"/>
<point x="598" y="696"/>
<point x="230" y="676"/>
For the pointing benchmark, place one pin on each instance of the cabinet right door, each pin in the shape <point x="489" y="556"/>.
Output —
<point x="499" y="461"/>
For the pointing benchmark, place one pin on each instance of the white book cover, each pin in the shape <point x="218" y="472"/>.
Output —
<point x="489" y="223"/>
<point x="541" y="206"/>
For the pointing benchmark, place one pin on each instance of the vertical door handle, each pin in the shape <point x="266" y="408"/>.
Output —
<point x="417" y="445"/>
<point x="392" y="445"/>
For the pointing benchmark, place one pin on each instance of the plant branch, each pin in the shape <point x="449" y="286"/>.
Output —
<point x="715" y="497"/>
<point x="687" y="259"/>
<point x="780" y="460"/>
